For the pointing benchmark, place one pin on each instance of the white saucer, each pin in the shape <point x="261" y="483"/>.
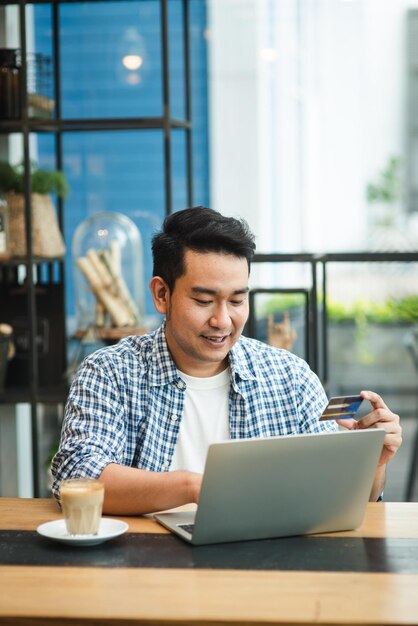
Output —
<point x="108" y="529"/>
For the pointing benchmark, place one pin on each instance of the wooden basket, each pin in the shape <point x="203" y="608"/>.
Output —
<point x="47" y="240"/>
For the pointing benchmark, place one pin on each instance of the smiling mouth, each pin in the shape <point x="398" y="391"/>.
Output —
<point x="215" y="340"/>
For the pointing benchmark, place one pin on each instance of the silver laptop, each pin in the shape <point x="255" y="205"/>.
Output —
<point x="281" y="486"/>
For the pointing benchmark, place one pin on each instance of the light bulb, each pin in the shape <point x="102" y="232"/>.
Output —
<point x="132" y="61"/>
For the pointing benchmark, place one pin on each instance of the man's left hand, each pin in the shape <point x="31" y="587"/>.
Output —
<point x="379" y="417"/>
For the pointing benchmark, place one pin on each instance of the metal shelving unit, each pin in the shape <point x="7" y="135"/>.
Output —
<point x="35" y="390"/>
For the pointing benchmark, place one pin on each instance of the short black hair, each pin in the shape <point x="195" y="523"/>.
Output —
<point x="202" y="230"/>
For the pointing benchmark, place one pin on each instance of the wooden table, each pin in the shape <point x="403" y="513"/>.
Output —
<point x="69" y="595"/>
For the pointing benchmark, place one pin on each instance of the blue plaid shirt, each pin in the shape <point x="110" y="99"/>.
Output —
<point x="126" y="403"/>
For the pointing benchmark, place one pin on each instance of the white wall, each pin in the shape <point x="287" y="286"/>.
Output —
<point x="233" y="107"/>
<point x="307" y="103"/>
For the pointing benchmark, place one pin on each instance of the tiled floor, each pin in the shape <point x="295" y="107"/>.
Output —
<point x="398" y="467"/>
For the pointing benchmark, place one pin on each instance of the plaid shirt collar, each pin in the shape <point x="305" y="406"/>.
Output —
<point x="163" y="370"/>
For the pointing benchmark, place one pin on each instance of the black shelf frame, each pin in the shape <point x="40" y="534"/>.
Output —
<point x="103" y="123"/>
<point x="26" y="125"/>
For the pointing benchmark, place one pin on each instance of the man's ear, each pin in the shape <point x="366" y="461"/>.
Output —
<point x="160" y="294"/>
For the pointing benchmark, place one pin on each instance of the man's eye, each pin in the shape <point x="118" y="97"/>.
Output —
<point x="237" y="302"/>
<point x="202" y="301"/>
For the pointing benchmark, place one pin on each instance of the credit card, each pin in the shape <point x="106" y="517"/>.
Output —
<point x="341" y="407"/>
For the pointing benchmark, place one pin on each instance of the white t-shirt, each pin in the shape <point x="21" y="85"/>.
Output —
<point x="205" y="420"/>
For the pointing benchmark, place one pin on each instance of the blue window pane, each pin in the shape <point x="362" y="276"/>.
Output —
<point x="178" y="169"/>
<point x="43" y="150"/>
<point x="40" y="62"/>
<point x="111" y="59"/>
<point x="114" y="171"/>
<point x="176" y="59"/>
<point x="199" y="72"/>
<point x="124" y="171"/>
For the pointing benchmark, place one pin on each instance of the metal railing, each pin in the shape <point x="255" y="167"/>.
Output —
<point x="316" y="302"/>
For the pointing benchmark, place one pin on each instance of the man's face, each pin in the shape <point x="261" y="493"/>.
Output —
<point x="206" y="311"/>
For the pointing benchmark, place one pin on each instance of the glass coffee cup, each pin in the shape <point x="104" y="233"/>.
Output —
<point x="82" y="503"/>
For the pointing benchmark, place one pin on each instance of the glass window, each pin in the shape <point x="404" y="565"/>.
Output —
<point x="114" y="171"/>
<point x="40" y="61"/>
<point x="124" y="170"/>
<point x="176" y="59"/>
<point x="199" y="86"/>
<point x="179" y="169"/>
<point x="111" y="59"/>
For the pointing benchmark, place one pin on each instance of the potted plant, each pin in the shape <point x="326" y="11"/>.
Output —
<point x="47" y="239"/>
<point x="385" y="193"/>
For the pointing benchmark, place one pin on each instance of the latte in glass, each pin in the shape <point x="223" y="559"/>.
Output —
<point x="82" y="503"/>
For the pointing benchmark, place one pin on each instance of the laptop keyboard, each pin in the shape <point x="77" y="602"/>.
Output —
<point x="187" y="527"/>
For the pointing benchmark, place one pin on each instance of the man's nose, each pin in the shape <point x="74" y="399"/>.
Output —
<point x="221" y="317"/>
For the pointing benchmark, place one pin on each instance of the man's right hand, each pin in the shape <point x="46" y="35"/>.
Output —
<point x="131" y="491"/>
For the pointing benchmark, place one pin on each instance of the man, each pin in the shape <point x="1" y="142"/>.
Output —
<point x="140" y="415"/>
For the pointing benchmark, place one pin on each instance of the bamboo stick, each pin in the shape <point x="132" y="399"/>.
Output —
<point x="120" y="285"/>
<point x="116" y="256"/>
<point x="116" y="308"/>
<point x="100" y="317"/>
<point x="101" y="270"/>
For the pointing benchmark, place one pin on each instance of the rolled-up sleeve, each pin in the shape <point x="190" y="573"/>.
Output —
<point x="93" y="432"/>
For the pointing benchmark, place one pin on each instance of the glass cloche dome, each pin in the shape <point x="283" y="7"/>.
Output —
<point x="108" y="273"/>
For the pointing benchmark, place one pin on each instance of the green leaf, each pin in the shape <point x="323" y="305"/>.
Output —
<point x="42" y="181"/>
<point x="388" y="187"/>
